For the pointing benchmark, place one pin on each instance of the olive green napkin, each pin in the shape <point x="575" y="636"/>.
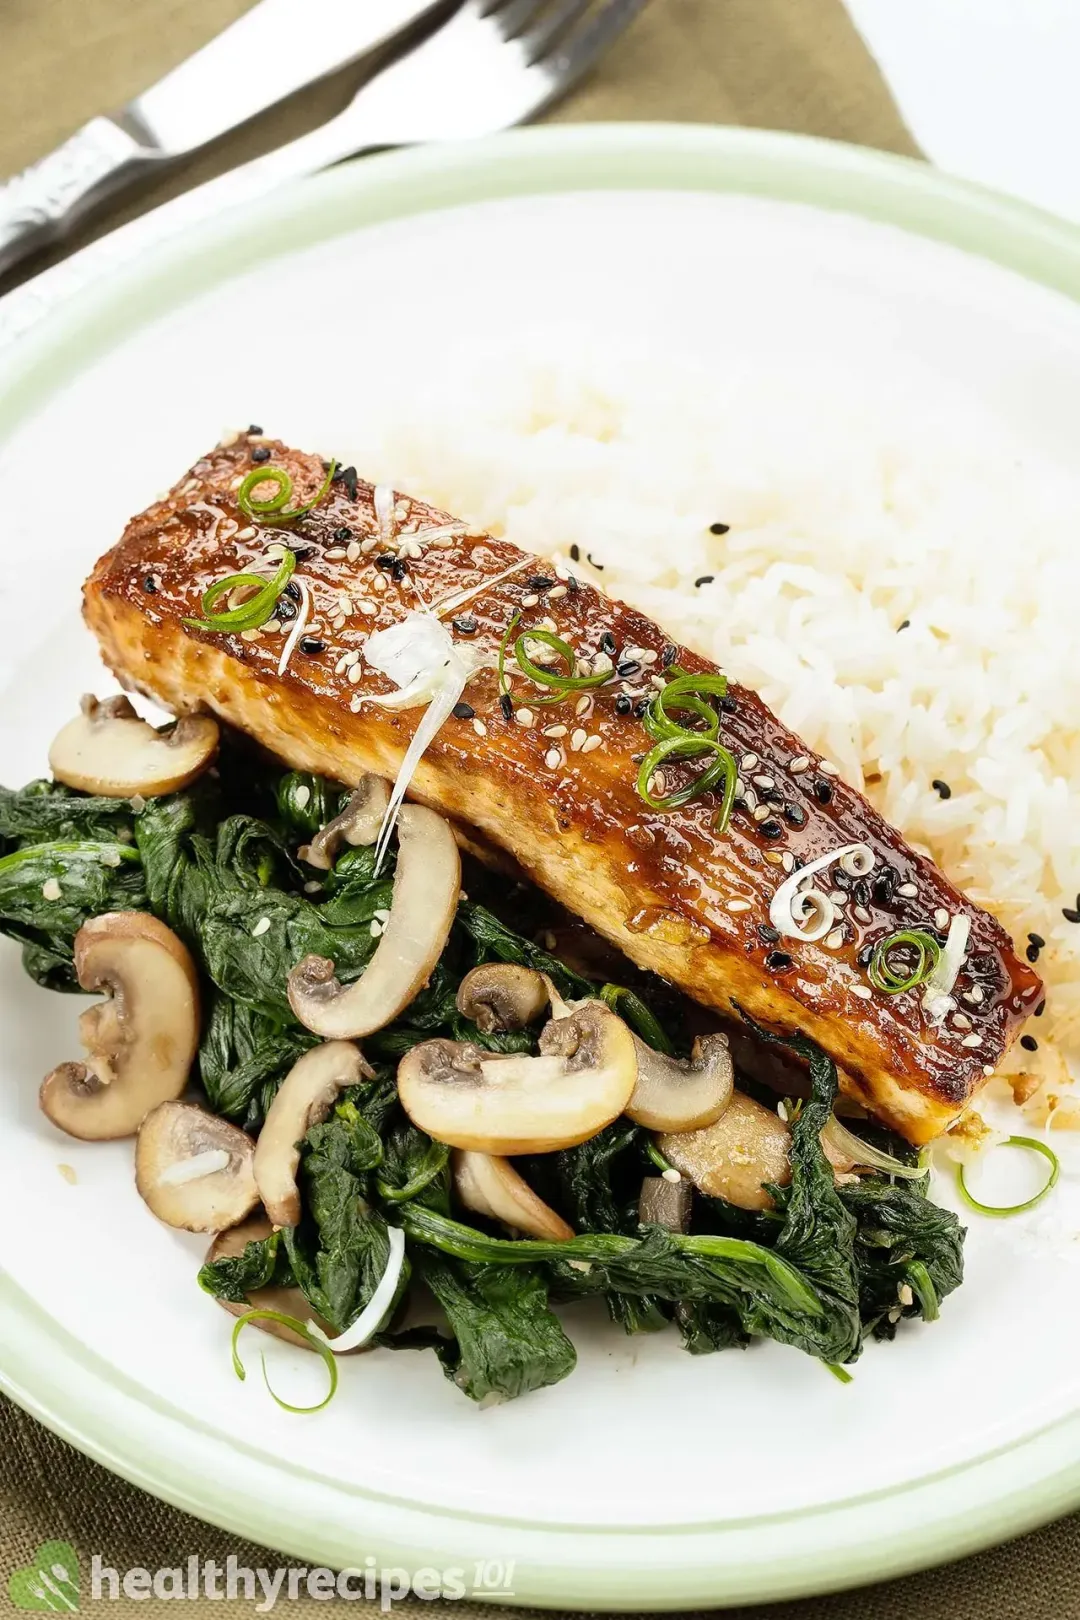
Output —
<point x="781" y="64"/>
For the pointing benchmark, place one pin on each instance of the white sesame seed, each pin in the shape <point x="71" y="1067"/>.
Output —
<point x="342" y="664"/>
<point x="276" y="549"/>
<point x="591" y="744"/>
<point x="797" y="766"/>
<point x="648" y="657"/>
<point x="988" y="1069"/>
<point x="110" y="857"/>
<point x="672" y="1175"/>
<point x="751" y="798"/>
<point x="762" y="812"/>
<point x="863" y="915"/>
<point x="254" y="634"/>
<point x="905" y="1295"/>
<point x="355" y="673"/>
<point x="555" y="592"/>
<point x="378" y="584"/>
<point x="50" y="889"/>
<point x="553" y="758"/>
<point x="835" y="939"/>
<point x="356" y="705"/>
<point x="827" y="768"/>
<point x="336" y="555"/>
<point x="774" y="857"/>
<point x="974" y="995"/>
<point x="748" y="762"/>
<point x="313" y="886"/>
<point x="530" y="601"/>
<point x="375" y="929"/>
<point x="765" y="782"/>
<point x="246" y="534"/>
<point x="839" y="897"/>
<point x="584" y="705"/>
<point x="577" y="739"/>
<point x="383" y="913"/>
<point x="659" y="681"/>
<point x="303" y="796"/>
<point x="261" y="927"/>
<point x="554" y="731"/>
<point x="961" y="1021"/>
<point x="787" y="861"/>
<point x="229" y="437"/>
<point x="480" y="728"/>
<point x="525" y="717"/>
<point x="367" y="546"/>
<point x="657" y="784"/>
<point x="941" y="918"/>
<point x="363" y="605"/>
<point x="738" y="905"/>
<point x="908" y="890"/>
<point x="601" y="663"/>
<point x="352" y="551"/>
<point x="972" y="1040"/>
<point x="862" y="992"/>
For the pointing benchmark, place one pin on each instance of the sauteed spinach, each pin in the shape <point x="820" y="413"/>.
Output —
<point x="826" y="1267"/>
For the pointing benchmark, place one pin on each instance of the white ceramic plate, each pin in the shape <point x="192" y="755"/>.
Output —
<point x="775" y="1479"/>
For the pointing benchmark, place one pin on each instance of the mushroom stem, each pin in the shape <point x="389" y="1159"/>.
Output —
<point x="490" y="1186"/>
<point x="357" y="825"/>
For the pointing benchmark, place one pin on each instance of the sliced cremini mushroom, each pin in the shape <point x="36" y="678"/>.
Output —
<point x="735" y="1158"/>
<point x="580" y="1082"/>
<point x="489" y="1185"/>
<point x="287" y="1301"/>
<point x="306" y="1096"/>
<point x="677" y="1094"/>
<point x="141" y="1042"/>
<point x="426" y="888"/>
<point x="503" y="995"/>
<point x="108" y="750"/>
<point x="357" y="825"/>
<point x="193" y="1169"/>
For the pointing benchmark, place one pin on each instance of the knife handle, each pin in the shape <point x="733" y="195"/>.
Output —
<point x="45" y="200"/>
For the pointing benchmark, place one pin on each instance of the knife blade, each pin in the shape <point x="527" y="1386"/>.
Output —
<point x="271" y="51"/>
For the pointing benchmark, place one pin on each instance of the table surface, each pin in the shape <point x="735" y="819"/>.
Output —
<point x="790" y="64"/>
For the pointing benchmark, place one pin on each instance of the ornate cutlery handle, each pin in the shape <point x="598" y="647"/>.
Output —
<point x="45" y="200"/>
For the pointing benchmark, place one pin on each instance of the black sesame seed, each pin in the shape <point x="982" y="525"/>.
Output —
<point x="506" y="704"/>
<point x="623" y="704"/>
<point x="1037" y="940"/>
<point x="607" y="642"/>
<point x="343" y="533"/>
<point x="463" y="711"/>
<point x="311" y="645"/>
<point x="347" y="476"/>
<point x="1032" y="953"/>
<point x="729" y="705"/>
<point x="795" y="814"/>
<point x="292" y="589"/>
<point x="777" y="961"/>
<point x="823" y="791"/>
<point x="302" y="553"/>
<point x="150" y="584"/>
<point x="865" y="956"/>
<point x="400" y="569"/>
<point x="772" y="795"/>
<point x="768" y="933"/>
<point x="385" y="559"/>
<point x="1070" y="915"/>
<point x="1029" y="1043"/>
<point x="771" y="828"/>
<point x="284" y="609"/>
<point x="841" y="879"/>
<point x="884" y="884"/>
<point x="739" y="803"/>
<point x="590" y="558"/>
<point x="261" y="453"/>
<point x="539" y="582"/>
<point x="941" y="788"/>
<point x="668" y="655"/>
<point x="253" y="427"/>
<point x="903" y="625"/>
<point x="575" y="553"/>
<point x="861" y="893"/>
<point x="641" y="707"/>
<point x="572" y="584"/>
<point x="465" y="625"/>
<point x="1040" y="1009"/>
<point x="629" y="666"/>
<point x="704" y="579"/>
<point x="719" y="528"/>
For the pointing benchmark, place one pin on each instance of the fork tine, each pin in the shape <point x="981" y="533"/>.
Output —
<point x="544" y="34"/>
<point x="513" y="16"/>
<point x="578" y="54"/>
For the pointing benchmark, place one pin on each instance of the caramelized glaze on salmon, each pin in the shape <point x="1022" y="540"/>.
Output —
<point x="554" y="785"/>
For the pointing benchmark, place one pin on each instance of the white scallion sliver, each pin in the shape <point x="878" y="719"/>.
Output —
<point x="781" y="907"/>
<point x="302" y="614"/>
<point x="370" y="1320"/>
<point x="195" y="1168"/>
<point x="937" y="997"/>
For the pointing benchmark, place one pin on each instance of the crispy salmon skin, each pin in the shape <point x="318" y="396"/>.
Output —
<point x="555" y="784"/>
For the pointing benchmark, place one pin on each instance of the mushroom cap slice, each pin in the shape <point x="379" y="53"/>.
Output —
<point x="306" y="1095"/>
<point x="426" y="888"/>
<point x="580" y="1082"/>
<point x="489" y="1185"/>
<point x="142" y="1042"/>
<point x="674" y="1094"/>
<point x="194" y="1170"/>
<point x="358" y="824"/>
<point x="665" y="1203"/>
<point x="747" y="1148"/>
<point x="502" y="995"/>
<point x="109" y="751"/>
<point x="287" y="1301"/>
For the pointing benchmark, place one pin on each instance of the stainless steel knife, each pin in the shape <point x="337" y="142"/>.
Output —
<point x="274" y="49"/>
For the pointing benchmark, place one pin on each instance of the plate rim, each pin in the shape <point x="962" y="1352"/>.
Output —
<point x="42" y="1367"/>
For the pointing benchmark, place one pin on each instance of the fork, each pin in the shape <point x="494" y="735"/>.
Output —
<point x="493" y="64"/>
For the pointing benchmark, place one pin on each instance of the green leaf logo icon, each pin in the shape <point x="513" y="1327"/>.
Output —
<point x="50" y="1582"/>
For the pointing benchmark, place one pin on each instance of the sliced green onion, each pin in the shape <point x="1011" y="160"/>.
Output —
<point x="688" y="693"/>
<point x="883" y="976"/>
<point x="251" y="614"/>
<point x="859" y="1152"/>
<point x="275" y="508"/>
<point x="302" y="1332"/>
<point x="841" y="1374"/>
<point x="1033" y="1146"/>
<point x="687" y="745"/>
<point x="656" y="1156"/>
<point x="503" y="645"/>
<point x="636" y="1013"/>
<point x="922" y="1286"/>
<point x="561" y="684"/>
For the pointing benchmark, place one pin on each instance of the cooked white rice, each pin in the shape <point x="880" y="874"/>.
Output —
<point x="847" y="518"/>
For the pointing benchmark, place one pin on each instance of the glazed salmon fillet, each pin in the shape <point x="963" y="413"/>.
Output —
<point x="555" y="785"/>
